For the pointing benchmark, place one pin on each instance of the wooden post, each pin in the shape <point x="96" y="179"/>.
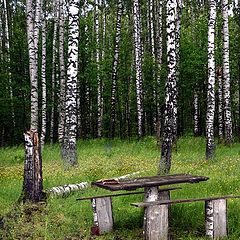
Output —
<point x="32" y="185"/>
<point x="156" y="217"/>
<point x="102" y="215"/>
<point x="216" y="218"/>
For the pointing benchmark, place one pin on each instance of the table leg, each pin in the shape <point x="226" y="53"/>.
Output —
<point x="155" y="217"/>
<point x="102" y="215"/>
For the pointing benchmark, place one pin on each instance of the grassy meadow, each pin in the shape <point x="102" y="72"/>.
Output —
<point x="65" y="218"/>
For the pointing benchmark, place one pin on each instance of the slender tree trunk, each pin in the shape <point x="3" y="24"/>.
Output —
<point x="69" y="151"/>
<point x="99" y="79"/>
<point x="210" y="145"/>
<point x="115" y="68"/>
<point x="44" y="89"/>
<point x="196" y="114"/>
<point x="54" y="67"/>
<point x="8" y="57"/>
<point x="62" y="73"/>
<point x="158" y="19"/>
<point x="169" y="120"/>
<point x="226" y="76"/>
<point x="220" y="103"/>
<point x="177" y="39"/>
<point x="138" y="65"/>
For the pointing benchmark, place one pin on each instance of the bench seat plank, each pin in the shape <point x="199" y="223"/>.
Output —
<point x="169" y="202"/>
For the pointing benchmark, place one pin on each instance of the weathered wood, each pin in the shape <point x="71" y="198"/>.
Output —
<point x="216" y="218"/>
<point x="154" y="181"/>
<point x="102" y="215"/>
<point x="32" y="183"/>
<point x="156" y="217"/>
<point x="125" y="194"/>
<point x="169" y="202"/>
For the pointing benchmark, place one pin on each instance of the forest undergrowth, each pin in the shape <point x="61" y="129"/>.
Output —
<point x="66" y="218"/>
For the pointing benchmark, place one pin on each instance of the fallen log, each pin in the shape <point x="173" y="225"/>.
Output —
<point x="65" y="190"/>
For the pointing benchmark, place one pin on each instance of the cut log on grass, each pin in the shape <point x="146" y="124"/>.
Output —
<point x="67" y="189"/>
<point x="32" y="184"/>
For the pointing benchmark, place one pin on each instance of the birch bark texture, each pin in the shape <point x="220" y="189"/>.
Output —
<point x="226" y="76"/>
<point x="220" y="103"/>
<point x="210" y="145"/>
<point x="69" y="151"/>
<point x="62" y="72"/>
<point x="171" y="85"/>
<point x="33" y="25"/>
<point x="115" y="69"/>
<point x="138" y="64"/>
<point x="44" y="86"/>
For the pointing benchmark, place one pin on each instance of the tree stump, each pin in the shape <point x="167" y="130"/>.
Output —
<point x="32" y="183"/>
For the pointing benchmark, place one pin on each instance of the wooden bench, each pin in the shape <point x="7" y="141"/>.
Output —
<point x="156" y="222"/>
<point x="102" y="209"/>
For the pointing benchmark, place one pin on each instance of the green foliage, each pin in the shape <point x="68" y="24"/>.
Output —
<point x="66" y="218"/>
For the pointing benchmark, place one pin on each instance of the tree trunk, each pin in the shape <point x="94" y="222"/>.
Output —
<point x="33" y="23"/>
<point x="226" y="76"/>
<point x="159" y="47"/>
<point x="210" y="146"/>
<point x="220" y="103"/>
<point x="32" y="184"/>
<point x="69" y="151"/>
<point x="138" y="65"/>
<point x="115" y="68"/>
<point x="44" y="90"/>
<point x="196" y="114"/>
<point x="62" y="73"/>
<point x="169" y="120"/>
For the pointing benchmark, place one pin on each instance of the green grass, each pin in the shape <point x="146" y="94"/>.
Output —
<point x="66" y="218"/>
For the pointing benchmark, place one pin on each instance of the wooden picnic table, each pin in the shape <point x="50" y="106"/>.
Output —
<point x="155" y="215"/>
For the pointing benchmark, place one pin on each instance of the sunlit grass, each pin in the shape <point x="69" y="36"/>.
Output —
<point x="66" y="218"/>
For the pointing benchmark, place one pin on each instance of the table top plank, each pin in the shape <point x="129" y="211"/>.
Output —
<point x="148" y="181"/>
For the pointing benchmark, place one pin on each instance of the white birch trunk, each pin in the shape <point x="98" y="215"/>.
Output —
<point x="62" y="72"/>
<point x="226" y="76"/>
<point x="7" y="45"/>
<point x="196" y="113"/>
<point x="169" y="120"/>
<point x="69" y="151"/>
<point x="44" y="89"/>
<point x="220" y="103"/>
<point x="33" y="24"/>
<point x="138" y="64"/>
<point x="54" y="67"/>
<point x="210" y="146"/>
<point x="115" y="68"/>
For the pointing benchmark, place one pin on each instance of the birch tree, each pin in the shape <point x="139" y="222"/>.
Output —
<point x="169" y="115"/>
<point x="115" y="68"/>
<point x="54" y="66"/>
<point x="43" y="75"/>
<point x="62" y="72"/>
<point x="210" y="145"/>
<point x="69" y="151"/>
<point x="138" y="64"/>
<point x="33" y="25"/>
<point x="226" y="75"/>
<point x="220" y="102"/>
